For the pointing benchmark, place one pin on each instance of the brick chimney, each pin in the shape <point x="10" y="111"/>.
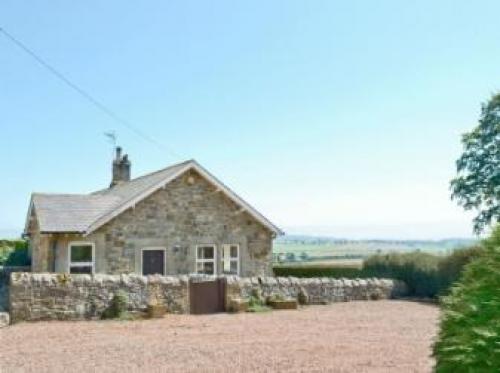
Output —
<point x="121" y="168"/>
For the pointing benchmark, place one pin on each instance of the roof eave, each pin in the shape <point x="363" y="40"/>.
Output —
<point x="28" y="216"/>
<point x="83" y="233"/>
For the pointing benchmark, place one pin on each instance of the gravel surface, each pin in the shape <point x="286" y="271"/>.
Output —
<point x="383" y="336"/>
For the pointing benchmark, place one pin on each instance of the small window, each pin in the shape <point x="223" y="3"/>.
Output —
<point x="205" y="259"/>
<point x="231" y="259"/>
<point x="81" y="258"/>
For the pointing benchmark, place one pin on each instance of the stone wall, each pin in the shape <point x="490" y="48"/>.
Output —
<point x="4" y="284"/>
<point x="315" y="290"/>
<point x="43" y="296"/>
<point x="76" y="297"/>
<point x="188" y="212"/>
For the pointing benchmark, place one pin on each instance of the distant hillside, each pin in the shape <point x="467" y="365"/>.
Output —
<point x="449" y="243"/>
<point x="297" y="248"/>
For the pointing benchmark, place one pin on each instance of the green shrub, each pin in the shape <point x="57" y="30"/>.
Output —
<point x="18" y="257"/>
<point x="426" y="275"/>
<point x="118" y="307"/>
<point x="256" y="303"/>
<point x="418" y="270"/>
<point x="469" y="339"/>
<point x="14" y="253"/>
<point x="451" y="266"/>
<point x="337" y="272"/>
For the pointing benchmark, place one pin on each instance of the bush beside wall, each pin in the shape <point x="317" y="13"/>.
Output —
<point x="450" y="267"/>
<point x="418" y="270"/>
<point x="469" y="340"/>
<point x="426" y="275"/>
<point x="14" y="253"/>
<point x="335" y="272"/>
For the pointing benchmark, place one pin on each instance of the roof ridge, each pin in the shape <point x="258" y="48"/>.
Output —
<point x="147" y="175"/>
<point x="59" y="194"/>
<point x="163" y="169"/>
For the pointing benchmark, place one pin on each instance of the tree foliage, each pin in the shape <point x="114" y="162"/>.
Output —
<point x="14" y="253"/>
<point x="477" y="185"/>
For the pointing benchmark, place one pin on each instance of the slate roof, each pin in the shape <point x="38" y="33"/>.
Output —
<point x="84" y="213"/>
<point x="70" y="212"/>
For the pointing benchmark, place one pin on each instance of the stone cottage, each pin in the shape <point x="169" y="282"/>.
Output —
<point x="178" y="220"/>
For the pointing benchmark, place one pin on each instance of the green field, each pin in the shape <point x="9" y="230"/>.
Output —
<point x="306" y="250"/>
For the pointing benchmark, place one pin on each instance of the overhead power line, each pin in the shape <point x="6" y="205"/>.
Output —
<point x="95" y="102"/>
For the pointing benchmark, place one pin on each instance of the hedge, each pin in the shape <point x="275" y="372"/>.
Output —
<point x="469" y="339"/>
<point x="426" y="275"/>
<point x="347" y="272"/>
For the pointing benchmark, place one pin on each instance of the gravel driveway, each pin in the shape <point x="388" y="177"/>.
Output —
<point x="383" y="336"/>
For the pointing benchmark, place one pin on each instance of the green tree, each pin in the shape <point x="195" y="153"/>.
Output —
<point x="477" y="185"/>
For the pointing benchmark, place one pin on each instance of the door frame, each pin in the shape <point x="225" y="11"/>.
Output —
<point x="154" y="248"/>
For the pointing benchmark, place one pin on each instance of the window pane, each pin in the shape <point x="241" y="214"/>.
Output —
<point x="226" y="265"/>
<point x="205" y="252"/>
<point x="199" y="267"/>
<point x="81" y="253"/>
<point x="208" y="268"/>
<point x="234" y="251"/>
<point x="230" y="267"/>
<point x="83" y="269"/>
<point x="234" y="267"/>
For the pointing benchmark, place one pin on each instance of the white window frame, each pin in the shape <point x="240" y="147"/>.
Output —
<point x="81" y="264"/>
<point x="237" y="259"/>
<point x="214" y="260"/>
<point x="164" y="249"/>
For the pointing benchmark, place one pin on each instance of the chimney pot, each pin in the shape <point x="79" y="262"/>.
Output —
<point x="121" y="168"/>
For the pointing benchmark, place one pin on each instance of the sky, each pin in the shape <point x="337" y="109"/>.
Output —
<point x="330" y="117"/>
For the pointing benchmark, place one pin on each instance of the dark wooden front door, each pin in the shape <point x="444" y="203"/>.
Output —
<point x="207" y="296"/>
<point x="153" y="262"/>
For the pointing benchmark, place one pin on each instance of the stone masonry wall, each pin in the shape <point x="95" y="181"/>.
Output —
<point x="188" y="212"/>
<point x="43" y="296"/>
<point x="4" y="284"/>
<point x="76" y="297"/>
<point x="315" y="290"/>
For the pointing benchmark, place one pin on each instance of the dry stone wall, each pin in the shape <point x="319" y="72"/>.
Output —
<point x="315" y="290"/>
<point x="4" y="284"/>
<point x="43" y="296"/>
